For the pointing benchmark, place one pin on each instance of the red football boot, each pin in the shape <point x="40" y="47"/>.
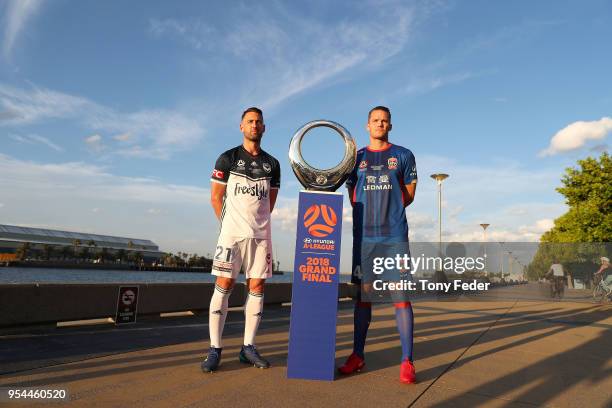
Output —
<point x="353" y="363"/>
<point x="407" y="373"/>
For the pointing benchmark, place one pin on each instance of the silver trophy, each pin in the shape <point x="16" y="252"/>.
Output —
<point x="322" y="179"/>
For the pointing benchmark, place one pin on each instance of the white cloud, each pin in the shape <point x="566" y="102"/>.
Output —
<point x="94" y="143"/>
<point x="285" y="212"/>
<point x="1" y="205"/>
<point x="284" y="215"/>
<point x="193" y="31"/>
<point x="421" y="85"/>
<point x="77" y="180"/>
<point x="36" y="139"/>
<point x="37" y="104"/>
<point x="88" y="198"/>
<point x="420" y="221"/>
<point x="462" y="232"/>
<point x="123" y="137"/>
<point x="152" y="133"/>
<point x="577" y="134"/>
<point x="347" y="216"/>
<point x="16" y="15"/>
<point x="47" y="142"/>
<point x="517" y="211"/>
<point x="288" y="54"/>
<point x="20" y="139"/>
<point x="166" y="131"/>
<point x="509" y="195"/>
<point x="540" y="227"/>
<point x="504" y="232"/>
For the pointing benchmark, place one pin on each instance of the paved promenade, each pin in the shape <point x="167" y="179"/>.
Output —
<point x="506" y="352"/>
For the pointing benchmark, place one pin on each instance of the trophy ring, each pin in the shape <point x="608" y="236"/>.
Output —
<point x="322" y="179"/>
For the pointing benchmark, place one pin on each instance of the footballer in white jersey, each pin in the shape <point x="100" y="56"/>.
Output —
<point x="244" y="238"/>
<point x="244" y="187"/>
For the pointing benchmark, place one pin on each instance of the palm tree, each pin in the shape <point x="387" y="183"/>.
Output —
<point x="103" y="254"/>
<point x="47" y="251"/>
<point x="84" y="253"/>
<point x="178" y="261"/>
<point x="193" y="260"/>
<point x="136" y="257"/>
<point x="23" y="250"/>
<point x="66" y="252"/>
<point x="76" y="244"/>
<point x="121" y="255"/>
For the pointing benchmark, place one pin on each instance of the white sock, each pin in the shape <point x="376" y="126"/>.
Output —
<point x="217" y="313"/>
<point x="252" y="316"/>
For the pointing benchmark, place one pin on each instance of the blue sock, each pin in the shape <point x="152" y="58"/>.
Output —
<point x="405" y="326"/>
<point x="361" y="322"/>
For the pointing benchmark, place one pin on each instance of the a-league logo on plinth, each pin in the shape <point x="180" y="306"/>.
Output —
<point x="314" y="300"/>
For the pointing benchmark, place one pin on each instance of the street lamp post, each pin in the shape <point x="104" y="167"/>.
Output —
<point x="501" y="261"/>
<point x="510" y="264"/>
<point x="439" y="177"/>
<point x="484" y="239"/>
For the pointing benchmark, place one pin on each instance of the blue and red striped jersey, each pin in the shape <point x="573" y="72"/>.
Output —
<point x="378" y="177"/>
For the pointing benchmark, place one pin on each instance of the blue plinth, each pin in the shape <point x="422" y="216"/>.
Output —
<point x="314" y="301"/>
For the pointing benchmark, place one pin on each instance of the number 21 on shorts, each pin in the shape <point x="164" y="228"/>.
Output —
<point x="223" y="254"/>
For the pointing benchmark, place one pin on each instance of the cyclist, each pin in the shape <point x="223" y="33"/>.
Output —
<point x="556" y="275"/>
<point x="604" y="278"/>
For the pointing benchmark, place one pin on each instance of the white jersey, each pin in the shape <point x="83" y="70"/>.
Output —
<point x="557" y="269"/>
<point x="248" y="180"/>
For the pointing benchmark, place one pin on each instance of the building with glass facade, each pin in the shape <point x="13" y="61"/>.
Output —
<point x="53" y="241"/>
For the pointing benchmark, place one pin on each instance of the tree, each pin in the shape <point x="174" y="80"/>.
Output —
<point x="67" y="252"/>
<point x="103" y="254"/>
<point x="193" y="260"/>
<point x="76" y="244"/>
<point x="589" y="197"/>
<point x="121" y="255"/>
<point x="83" y="254"/>
<point x="47" y="251"/>
<point x="578" y="236"/>
<point x="136" y="257"/>
<point x="23" y="251"/>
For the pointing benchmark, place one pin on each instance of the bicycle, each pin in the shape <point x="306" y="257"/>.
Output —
<point x="599" y="290"/>
<point x="557" y="287"/>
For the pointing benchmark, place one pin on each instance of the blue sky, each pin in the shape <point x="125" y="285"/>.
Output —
<point x="112" y="113"/>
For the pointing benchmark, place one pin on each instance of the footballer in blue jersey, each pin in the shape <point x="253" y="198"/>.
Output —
<point x="381" y="186"/>
<point x="380" y="195"/>
<point x="379" y="192"/>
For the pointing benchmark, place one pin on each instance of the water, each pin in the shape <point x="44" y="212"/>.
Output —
<point x="51" y="275"/>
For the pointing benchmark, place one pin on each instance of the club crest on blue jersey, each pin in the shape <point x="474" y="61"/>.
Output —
<point x="379" y="213"/>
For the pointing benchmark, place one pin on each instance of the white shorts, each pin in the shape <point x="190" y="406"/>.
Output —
<point x="253" y="255"/>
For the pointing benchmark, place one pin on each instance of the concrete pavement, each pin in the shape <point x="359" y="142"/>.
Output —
<point x="507" y="351"/>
